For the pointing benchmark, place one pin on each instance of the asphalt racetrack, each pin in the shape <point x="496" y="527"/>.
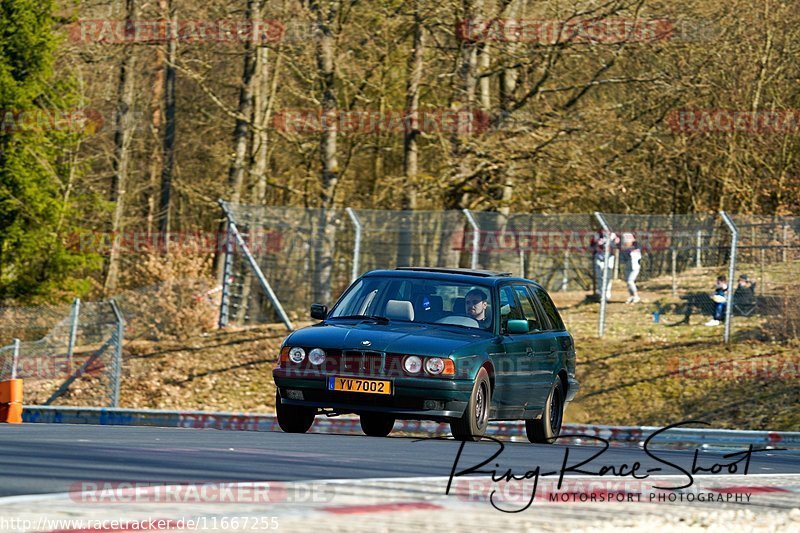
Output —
<point x="52" y="458"/>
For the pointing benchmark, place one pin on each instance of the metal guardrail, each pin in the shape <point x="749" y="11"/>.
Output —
<point x="616" y="435"/>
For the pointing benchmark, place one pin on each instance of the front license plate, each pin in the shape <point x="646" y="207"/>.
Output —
<point x="370" y="386"/>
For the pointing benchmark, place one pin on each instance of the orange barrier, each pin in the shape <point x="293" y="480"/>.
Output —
<point x="11" y="401"/>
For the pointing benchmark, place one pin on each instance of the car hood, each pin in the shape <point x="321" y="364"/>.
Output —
<point x="415" y="339"/>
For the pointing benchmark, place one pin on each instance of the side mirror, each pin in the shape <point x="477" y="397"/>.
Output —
<point x="517" y="326"/>
<point x="319" y="311"/>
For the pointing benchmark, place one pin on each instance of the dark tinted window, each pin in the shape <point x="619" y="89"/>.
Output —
<point x="509" y="308"/>
<point x="549" y="308"/>
<point x="528" y="309"/>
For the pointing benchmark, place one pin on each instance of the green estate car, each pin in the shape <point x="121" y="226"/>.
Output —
<point x="453" y="345"/>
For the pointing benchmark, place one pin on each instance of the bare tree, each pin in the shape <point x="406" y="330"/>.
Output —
<point x="122" y="143"/>
<point x="165" y="201"/>
<point x="412" y="132"/>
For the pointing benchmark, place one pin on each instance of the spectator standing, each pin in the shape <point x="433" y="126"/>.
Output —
<point x="597" y="247"/>
<point x="631" y="257"/>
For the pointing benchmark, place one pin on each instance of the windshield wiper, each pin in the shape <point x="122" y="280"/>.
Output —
<point x="376" y="318"/>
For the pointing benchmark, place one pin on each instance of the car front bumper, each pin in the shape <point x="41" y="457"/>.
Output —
<point x="412" y="398"/>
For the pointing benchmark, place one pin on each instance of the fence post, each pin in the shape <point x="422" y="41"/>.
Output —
<point x="476" y="237"/>
<point x="565" y="272"/>
<point x="356" y="244"/>
<point x="674" y="258"/>
<point x="73" y="330"/>
<point x="117" y="367"/>
<point x="224" y="305"/>
<point x="785" y="240"/>
<point x="731" y="273"/>
<point x="601" y="326"/>
<point x="15" y="359"/>
<point x="262" y="280"/>
<point x="697" y="261"/>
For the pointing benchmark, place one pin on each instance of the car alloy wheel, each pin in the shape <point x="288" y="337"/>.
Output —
<point x="472" y="425"/>
<point x="545" y="430"/>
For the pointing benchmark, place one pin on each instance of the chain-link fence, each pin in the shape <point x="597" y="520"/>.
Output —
<point x="305" y="256"/>
<point x="54" y="348"/>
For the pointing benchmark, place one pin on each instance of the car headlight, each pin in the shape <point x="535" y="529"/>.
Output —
<point x="297" y="354"/>
<point x="434" y="365"/>
<point x="412" y="364"/>
<point x="316" y="356"/>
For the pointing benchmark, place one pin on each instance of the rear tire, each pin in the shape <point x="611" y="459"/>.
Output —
<point x="472" y="425"/>
<point x="546" y="429"/>
<point x="293" y="418"/>
<point x="376" y="425"/>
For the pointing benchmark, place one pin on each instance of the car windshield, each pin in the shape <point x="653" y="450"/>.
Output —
<point x="419" y="300"/>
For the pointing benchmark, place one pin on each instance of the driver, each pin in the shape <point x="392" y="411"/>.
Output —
<point x="476" y="302"/>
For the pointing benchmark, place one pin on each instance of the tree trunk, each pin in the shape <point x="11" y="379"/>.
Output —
<point x="165" y="200"/>
<point x="509" y="76"/>
<point x="251" y="300"/>
<point x="156" y="104"/>
<point x="410" y="147"/>
<point x="466" y="89"/>
<point x="122" y="141"/>
<point x="236" y="171"/>
<point x="240" y="133"/>
<point x="260" y="119"/>
<point x="325" y="49"/>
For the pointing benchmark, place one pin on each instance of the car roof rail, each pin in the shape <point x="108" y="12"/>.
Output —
<point x="464" y="271"/>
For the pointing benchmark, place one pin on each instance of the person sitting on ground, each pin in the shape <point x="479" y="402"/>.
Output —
<point x="476" y="302"/>
<point x="745" y="291"/>
<point x="720" y="301"/>
<point x="744" y="297"/>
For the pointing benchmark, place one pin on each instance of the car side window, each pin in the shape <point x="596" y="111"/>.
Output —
<point x="549" y="308"/>
<point x="528" y="309"/>
<point x="509" y="308"/>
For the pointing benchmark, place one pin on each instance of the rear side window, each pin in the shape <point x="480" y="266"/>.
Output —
<point x="548" y="307"/>
<point x="527" y="308"/>
<point x="509" y="308"/>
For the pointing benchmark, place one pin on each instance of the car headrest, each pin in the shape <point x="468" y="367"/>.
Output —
<point x="436" y="304"/>
<point x="459" y="306"/>
<point x="400" y="310"/>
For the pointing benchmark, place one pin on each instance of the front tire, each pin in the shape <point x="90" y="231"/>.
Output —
<point x="293" y="418"/>
<point x="546" y="429"/>
<point x="376" y="425"/>
<point x="472" y="425"/>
